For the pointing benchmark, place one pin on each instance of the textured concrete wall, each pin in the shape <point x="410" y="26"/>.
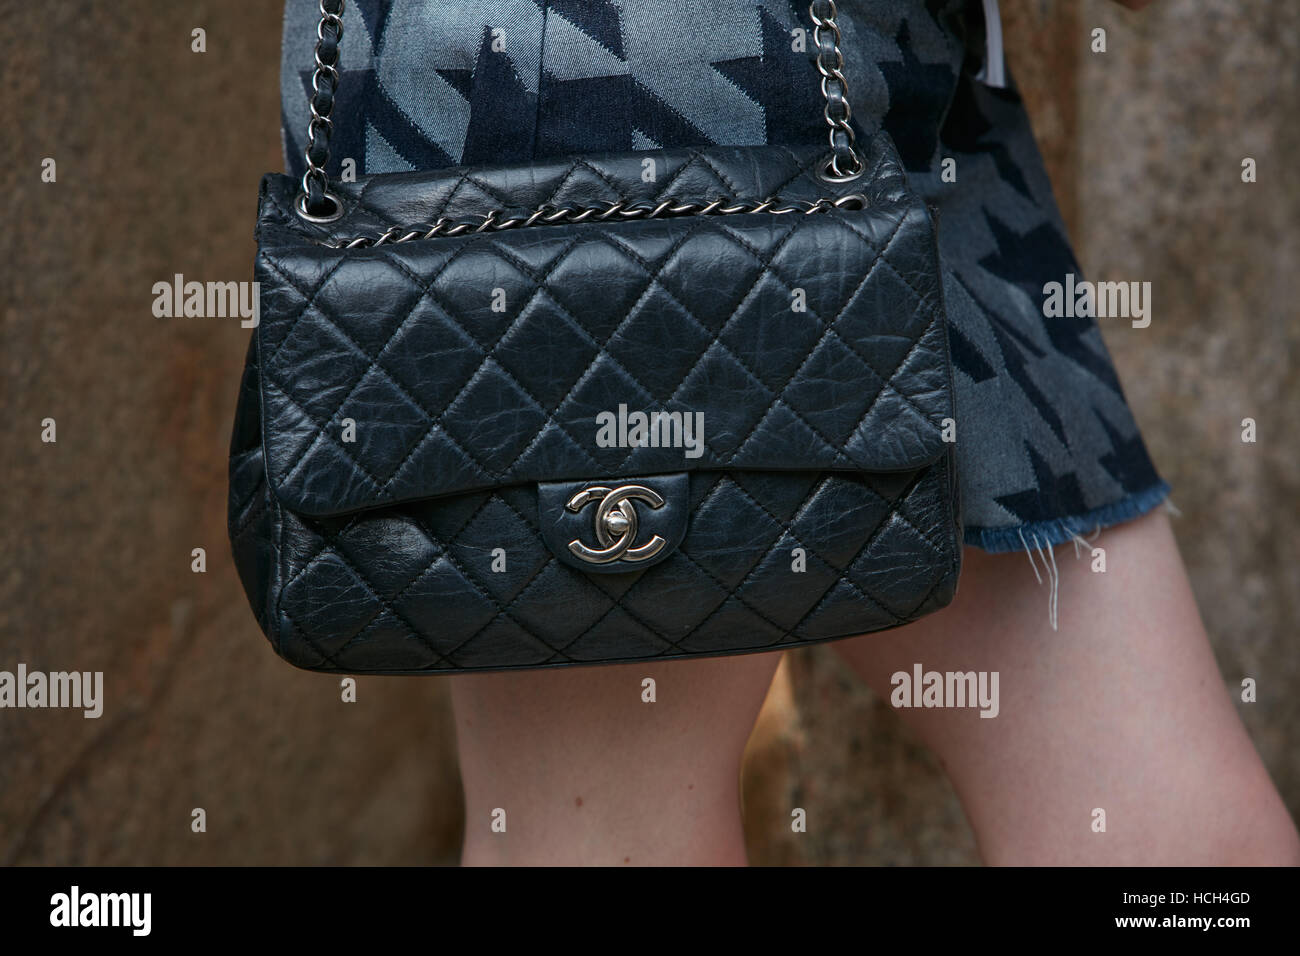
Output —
<point x="159" y="151"/>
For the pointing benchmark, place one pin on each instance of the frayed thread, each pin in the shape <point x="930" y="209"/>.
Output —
<point x="1046" y="535"/>
<point x="1048" y="554"/>
<point x="1080" y="541"/>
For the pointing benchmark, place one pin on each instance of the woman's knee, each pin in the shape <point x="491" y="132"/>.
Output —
<point x="600" y="764"/>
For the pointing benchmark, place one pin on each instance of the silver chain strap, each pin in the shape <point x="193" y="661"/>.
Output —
<point x="556" y="215"/>
<point x="844" y="164"/>
<point x="327" y="73"/>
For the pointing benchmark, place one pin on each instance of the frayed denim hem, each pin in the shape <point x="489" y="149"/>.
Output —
<point x="1063" y="530"/>
<point x="1044" y="536"/>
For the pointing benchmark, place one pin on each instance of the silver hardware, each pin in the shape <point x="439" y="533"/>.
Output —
<point x="322" y="122"/>
<point x="300" y="204"/>
<point x="616" y="524"/>
<point x="845" y="163"/>
<point x="495" y="220"/>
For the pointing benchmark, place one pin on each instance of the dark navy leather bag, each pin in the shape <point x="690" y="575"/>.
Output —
<point x="596" y="409"/>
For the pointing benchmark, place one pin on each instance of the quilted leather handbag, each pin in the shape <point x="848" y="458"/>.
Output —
<point x="670" y="403"/>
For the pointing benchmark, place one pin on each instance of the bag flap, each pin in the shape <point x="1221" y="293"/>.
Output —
<point x="411" y="370"/>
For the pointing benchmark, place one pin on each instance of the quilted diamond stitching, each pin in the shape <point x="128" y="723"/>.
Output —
<point x="785" y="526"/>
<point x="879" y="259"/>
<point x="376" y="364"/>
<point x="437" y="418"/>
<point x="503" y="610"/>
<point x="830" y="330"/>
<point x="602" y="348"/>
<point x="716" y="340"/>
<point x="539" y="288"/>
<point x="272" y="386"/>
<point x="384" y="605"/>
<point x="616" y="602"/>
<point x="923" y="496"/>
<point x="328" y="546"/>
<point x="789" y="527"/>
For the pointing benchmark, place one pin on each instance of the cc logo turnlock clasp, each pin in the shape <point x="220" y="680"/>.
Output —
<point x="616" y="524"/>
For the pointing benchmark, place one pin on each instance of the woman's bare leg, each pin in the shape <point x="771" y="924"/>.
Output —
<point x="1122" y="709"/>
<point x="587" y="772"/>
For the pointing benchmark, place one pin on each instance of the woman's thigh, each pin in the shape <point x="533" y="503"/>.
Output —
<point x="588" y="769"/>
<point x="1121" y="710"/>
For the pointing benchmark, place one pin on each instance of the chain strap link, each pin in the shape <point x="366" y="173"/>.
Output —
<point x="556" y="215"/>
<point x="844" y="165"/>
<point x="317" y="204"/>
